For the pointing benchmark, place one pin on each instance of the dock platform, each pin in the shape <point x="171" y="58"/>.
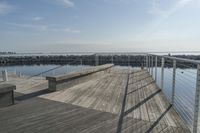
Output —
<point x="122" y="100"/>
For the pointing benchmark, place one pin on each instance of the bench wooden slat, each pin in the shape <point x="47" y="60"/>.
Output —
<point x="61" y="81"/>
<point x="6" y="94"/>
<point x="6" y="88"/>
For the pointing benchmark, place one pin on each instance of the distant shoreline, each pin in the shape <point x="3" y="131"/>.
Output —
<point x="124" y="60"/>
<point x="178" y="53"/>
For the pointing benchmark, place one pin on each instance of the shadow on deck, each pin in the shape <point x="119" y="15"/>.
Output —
<point x="125" y="113"/>
<point x="93" y="107"/>
<point x="22" y="96"/>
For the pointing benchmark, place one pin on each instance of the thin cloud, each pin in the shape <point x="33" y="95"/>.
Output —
<point x="164" y="14"/>
<point x="125" y="1"/>
<point x="48" y="28"/>
<point x="5" y="8"/>
<point x="66" y="3"/>
<point x="183" y="2"/>
<point x="157" y="10"/>
<point x="37" y="18"/>
<point x="29" y="26"/>
<point x="72" y="30"/>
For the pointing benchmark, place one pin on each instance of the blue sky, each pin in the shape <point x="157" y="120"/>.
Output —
<point x="99" y="25"/>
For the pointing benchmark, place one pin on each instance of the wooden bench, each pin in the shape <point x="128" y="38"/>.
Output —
<point x="68" y="80"/>
<point x="7" y="94"/>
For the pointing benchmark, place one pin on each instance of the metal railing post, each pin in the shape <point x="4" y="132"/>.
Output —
<point x="156" y="64"/>
<point x="173" y="81"/>
<point x="147" y="62"/>
<point x="162" y="73"/>
<point x="152" y="66"/>
<point x="196" y="106"/>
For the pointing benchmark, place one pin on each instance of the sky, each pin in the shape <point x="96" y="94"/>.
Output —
<point x="99" y="25"/>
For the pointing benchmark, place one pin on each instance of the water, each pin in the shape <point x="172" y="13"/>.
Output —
<point x="36" y="69"/>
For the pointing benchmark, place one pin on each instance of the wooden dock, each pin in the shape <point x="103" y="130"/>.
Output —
<point x="119" y="101"/>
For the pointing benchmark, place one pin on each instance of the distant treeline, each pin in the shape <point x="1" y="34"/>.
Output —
<point x="123" y="60"/>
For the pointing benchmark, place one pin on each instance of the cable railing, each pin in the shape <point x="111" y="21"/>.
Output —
<point x="179" y="80"/>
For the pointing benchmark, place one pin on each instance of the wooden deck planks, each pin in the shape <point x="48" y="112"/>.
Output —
<point x="105" y="93"/>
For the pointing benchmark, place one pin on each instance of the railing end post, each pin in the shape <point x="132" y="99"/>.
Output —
<point x="173" y="82"/>
<point x="162" y="72"/>
<point x="196" y="106"/>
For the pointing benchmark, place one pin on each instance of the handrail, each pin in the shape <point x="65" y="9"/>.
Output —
<point x="178" y="59"/>
<point x="174" y="62"/>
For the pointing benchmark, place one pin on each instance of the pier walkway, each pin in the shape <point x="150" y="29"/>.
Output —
<point x="119" y="101"/>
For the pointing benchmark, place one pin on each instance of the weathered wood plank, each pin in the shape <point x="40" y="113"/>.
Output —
<point x="93" y="98"/>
